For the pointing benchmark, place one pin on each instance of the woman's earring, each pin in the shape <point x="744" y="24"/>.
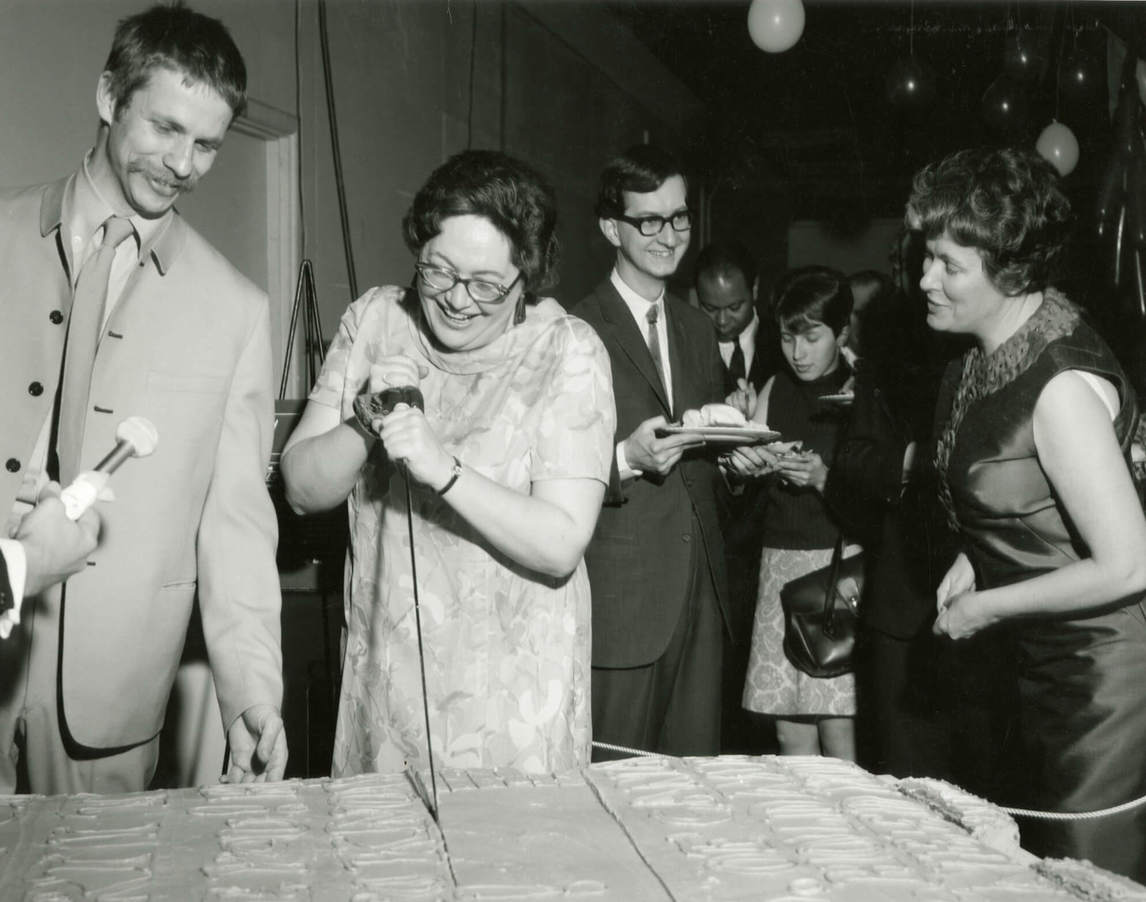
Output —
<point x="519" y="313"/>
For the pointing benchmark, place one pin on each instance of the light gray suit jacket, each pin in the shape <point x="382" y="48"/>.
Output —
<point x="188" y="347"/>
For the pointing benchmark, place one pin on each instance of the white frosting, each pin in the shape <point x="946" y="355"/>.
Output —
<point x="637" y="830"/>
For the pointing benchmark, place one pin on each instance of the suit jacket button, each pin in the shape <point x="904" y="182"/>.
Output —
<point x="56" y="317"/>
<point x="13" y="465"/>
<point x="35" y="389"/>
<point x="686" y="537"/>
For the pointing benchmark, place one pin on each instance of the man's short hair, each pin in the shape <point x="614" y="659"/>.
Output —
<point x="722" y="256"/>
<point x="182" y="40"/>
<point x="641" y="169"/>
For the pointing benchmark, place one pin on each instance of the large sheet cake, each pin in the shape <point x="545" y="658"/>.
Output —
<point x="759" y="828"/>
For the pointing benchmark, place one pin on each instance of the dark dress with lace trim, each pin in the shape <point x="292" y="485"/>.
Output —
<point x="1081" y="716"/>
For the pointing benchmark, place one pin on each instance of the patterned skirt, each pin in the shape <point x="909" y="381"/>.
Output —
<point x="773" y="685"/>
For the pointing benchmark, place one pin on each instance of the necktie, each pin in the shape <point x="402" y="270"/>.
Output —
<point x="84" y="326"/>
<point x="736" y="364"/>
<point x="654" y="341"/>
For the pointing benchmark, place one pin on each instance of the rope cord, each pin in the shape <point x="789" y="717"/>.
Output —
<point x="421" y="653"/>
<point x="1075" y="815"/>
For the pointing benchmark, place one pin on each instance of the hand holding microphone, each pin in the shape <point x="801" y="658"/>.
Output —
<point x="394" y="411"/>
<point x="134" y="437"/>
<point x="59" y="534"/>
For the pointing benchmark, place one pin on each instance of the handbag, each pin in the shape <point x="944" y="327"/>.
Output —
<point x="820" y="615"/>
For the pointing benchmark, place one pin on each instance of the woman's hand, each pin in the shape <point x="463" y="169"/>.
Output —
<point x="959" y="578"/>
<point x="963" y="616"/>
<point x="394" y="371"/>
<point x="961" y="612"/>
<point x="407" y="437"/>
<point x="803" y="469"/>
<point x="749" y="460"/>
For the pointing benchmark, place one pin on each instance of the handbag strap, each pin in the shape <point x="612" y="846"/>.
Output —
<point x="830" y="591"/>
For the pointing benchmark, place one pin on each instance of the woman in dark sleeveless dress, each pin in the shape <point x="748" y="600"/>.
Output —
<point x="1037" y="421"/>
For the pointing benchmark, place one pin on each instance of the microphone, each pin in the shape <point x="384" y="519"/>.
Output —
<point x="134" y="437"/>
<point x="371" y="406"/>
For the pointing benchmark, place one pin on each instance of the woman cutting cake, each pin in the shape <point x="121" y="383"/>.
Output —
<point x="506" y="466"/>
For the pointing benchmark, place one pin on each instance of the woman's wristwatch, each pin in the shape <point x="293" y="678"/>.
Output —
<point x="455" y="472"/>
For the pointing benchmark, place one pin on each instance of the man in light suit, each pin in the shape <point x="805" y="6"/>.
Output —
<point x="656" y="560"/>
<point x="185" y="342"/>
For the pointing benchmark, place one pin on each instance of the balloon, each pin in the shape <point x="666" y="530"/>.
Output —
<point x="1005" y="105"/>
<point x="910" y="86"/>
<point x="1140" y="78"/>
<point x="1020" y="58"/>
<point x="1079" y="79"/>
<point x="1058" y="144"/>
<point x="775" y="25"/>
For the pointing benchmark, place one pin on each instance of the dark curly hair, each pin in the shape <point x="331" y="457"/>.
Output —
<point x="1006" y="203"/>
<point x="723" y="257"/>
<point x="174" y="37"/>
<point x="809" y="295"/>
<point x="641" y="169"/>
<point x="516" y="200"/>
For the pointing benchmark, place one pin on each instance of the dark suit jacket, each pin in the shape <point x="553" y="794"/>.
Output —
<point x="639" y="557"/>
<point x="742" y="513"/>
<point x="766" y="359"/>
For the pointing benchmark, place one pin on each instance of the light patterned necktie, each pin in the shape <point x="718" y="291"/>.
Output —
<point x="85" y="323"/>
<point x="652" y="314"/>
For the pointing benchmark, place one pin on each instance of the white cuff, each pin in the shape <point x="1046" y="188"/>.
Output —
<point x="623" y="468"/>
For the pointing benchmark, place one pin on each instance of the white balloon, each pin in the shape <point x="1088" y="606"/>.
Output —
<point x="775" y="25"/>
<point x="1058" y="144"/>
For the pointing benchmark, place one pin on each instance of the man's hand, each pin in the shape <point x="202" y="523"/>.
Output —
<point x="646" y="452"/>
<point x="55" y="547"/>
<point x="258" y="746"/>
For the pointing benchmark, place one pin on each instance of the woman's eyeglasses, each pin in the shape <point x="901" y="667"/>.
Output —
<point x="681" y="221"/>
<point x="480" y="290"/>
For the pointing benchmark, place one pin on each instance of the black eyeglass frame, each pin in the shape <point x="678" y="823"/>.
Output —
<point x="641" y="221"/>
<point x="504" y="290"/>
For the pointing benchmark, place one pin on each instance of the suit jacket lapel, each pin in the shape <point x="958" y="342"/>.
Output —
<point x="631" y="342"/>
<point x="681" y="353"/>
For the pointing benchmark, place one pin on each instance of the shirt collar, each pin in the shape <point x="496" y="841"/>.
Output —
<point x="85" y="209"/>
<point x="747" y="337"/>
<point x="638" y="306"/>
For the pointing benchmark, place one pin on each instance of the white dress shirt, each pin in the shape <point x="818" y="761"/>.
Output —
<point x="747" y="342"/>
<point x="639" y="307"/>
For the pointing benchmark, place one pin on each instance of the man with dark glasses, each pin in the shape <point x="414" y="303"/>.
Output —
<point x="656" y="562"/>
